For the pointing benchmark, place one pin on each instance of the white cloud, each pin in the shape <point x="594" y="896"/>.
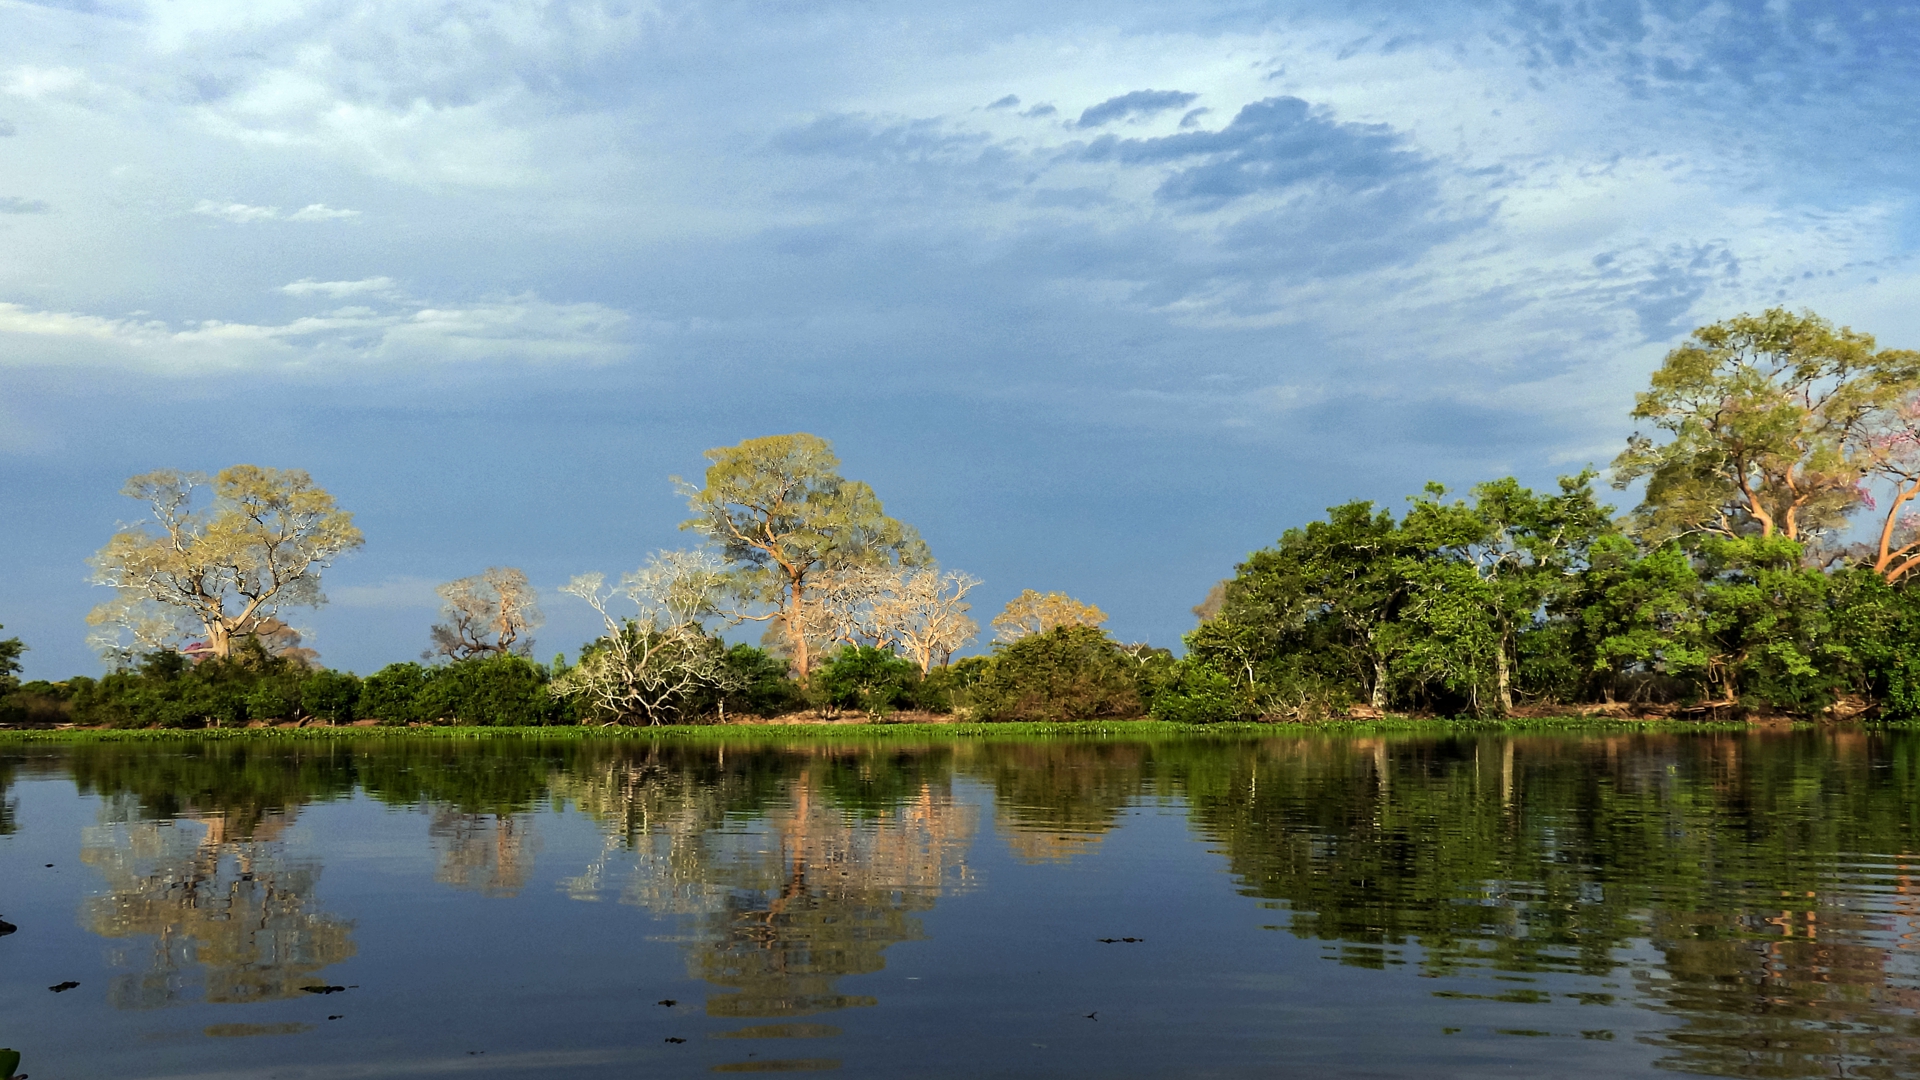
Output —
<point x="320" y="212"/>
<point x="518" y="328"/>
<point x="242" y="214"/>
<point x="238" y="213"/>
<point x="337" y="289"/>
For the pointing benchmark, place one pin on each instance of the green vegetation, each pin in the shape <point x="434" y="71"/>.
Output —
<point x="1736" y="588"/>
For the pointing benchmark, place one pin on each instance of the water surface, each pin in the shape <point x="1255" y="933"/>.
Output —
<point x="1730" y="905"/>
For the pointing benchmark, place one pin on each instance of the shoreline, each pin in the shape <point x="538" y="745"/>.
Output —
<point x="784" y="729"/>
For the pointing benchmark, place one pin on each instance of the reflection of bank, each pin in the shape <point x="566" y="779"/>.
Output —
<point x="226" y="918"/>
<point x="790" y="900"/>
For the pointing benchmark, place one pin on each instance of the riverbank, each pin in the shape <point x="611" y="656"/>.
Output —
<point x="768" y="731"/>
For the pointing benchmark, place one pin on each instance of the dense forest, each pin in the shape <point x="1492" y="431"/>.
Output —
<point x="1763" y="572"/>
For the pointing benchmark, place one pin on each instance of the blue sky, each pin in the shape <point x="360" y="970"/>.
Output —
<point x="1099" y="296"/>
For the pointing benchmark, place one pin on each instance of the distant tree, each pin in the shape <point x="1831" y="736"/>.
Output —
<point x="779" y="511"/>
<point x="1769" y="420"/>
<point x="926" y="614"/>
<point x="651" y="664"/>
<point x="224" y="570"/>
<point x="1210" y="606"/>
<point x="488" y="614"/>
<point x="10" y="650"/>
<point x="1035" y="612"/>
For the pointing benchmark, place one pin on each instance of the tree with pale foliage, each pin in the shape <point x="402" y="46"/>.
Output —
<point x="489" y="614"/>
<point x="1770" y="422"/>
<point x="926" y="612"/>
<point x="779" y="511"/>
<point x="650" y="663"/>
<point x="225" y="570"/>
<point x="1036" y="613"/>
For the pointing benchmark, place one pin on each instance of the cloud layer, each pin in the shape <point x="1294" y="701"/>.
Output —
<point x="1034" y="268"/>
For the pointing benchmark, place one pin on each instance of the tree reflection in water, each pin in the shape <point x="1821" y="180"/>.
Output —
<point x="796" y="868"/>
<point x="224" y="914"/>
<point x="1757" y="889"/>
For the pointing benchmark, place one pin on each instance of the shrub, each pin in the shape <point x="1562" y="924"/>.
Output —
<point x="761" y="684"/>
<point x="330" y="696"/>
<point x="1196" y="694"/>
<point x="505" y="691"/>
<point x="949" y="688"/>
<point x="391" y="695"/>
<point x="874" y="681"/>
<point x="274" y="699"/>
<point x="1069" y="673"/>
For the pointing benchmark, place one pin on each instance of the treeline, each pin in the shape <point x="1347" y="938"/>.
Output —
<point x="1765" y="570"/>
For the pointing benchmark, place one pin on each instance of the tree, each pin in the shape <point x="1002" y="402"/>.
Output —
<point x="10" y="650"/>
<point x="1036" y="613"/>
<point x="1346" y="574"/>
<point x="1767" y="417"/>
<point x="649" y="665"/>
<point x="1069" y="672"/>
<point x="781" y="513"/>
<point x="487" y="614"/>
<point x="1517" y="550"/>
<point x="927" y="614"/>
<point x="226" y="569"/>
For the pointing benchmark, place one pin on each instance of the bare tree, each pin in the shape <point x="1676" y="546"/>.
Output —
<point x="650" y="663"/>
<point x="488" y="614"/>
<point x="926" y="613"/>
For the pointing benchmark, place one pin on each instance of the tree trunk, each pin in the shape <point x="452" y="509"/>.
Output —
<point x="1503" y="677"/>
<point x="1379" y="699"/>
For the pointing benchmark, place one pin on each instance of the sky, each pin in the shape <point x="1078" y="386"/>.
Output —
<point x="1099" y="296"/>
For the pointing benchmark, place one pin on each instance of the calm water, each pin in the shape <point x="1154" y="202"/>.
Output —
<point x="1732" y="905"/>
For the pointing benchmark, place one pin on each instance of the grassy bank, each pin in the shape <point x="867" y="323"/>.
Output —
<point x="882" y="732"/>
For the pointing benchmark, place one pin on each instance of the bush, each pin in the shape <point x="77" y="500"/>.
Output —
<point x="1069" y="673"/>
<point x="950" y="688"/>
<point x="1196" y="694"/>
<point x="274" y="699"/>
<point x="874" y="681"/>
<point x="391" y="695"/>
<point x="330" y="696"/>
<point x="761" y="684"/>
<point x="500" y="691"/>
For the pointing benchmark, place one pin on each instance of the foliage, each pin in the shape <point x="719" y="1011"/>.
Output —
<point x="1035" y="612"/>
<point x="781" y="513"/>
<point x="391" y="695"/>
<point x="1765" y="417"/>
<point x="872" y="680"/>
<point x="226" y="569"/>
<point x="1067" y="673"/>
<point x="332" y="696"/>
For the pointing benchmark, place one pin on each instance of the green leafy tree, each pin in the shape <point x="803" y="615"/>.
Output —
<point x="10" y="650"/>
<point x="1767" y="419"/>
<point x="872" y="680"/>
<point x="779" y="510"/>
<point x="1067" y="673"/>
<point x="1483" y="572"/>
<point x="1347" y="574"/>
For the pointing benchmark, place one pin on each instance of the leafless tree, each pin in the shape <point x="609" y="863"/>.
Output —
<point x="488" y="614"/>
<point x="650" y="663"/>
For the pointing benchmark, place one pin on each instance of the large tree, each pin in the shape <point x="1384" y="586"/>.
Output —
<point x="1768" y="420"/>
<point x="1485" y="570"/>
<point x="1034" y="612"/>
<point x="225" y="569"/>
<point x="781" y="513"/>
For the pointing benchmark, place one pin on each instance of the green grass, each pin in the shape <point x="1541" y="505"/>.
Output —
<point x="883" y="732"/>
